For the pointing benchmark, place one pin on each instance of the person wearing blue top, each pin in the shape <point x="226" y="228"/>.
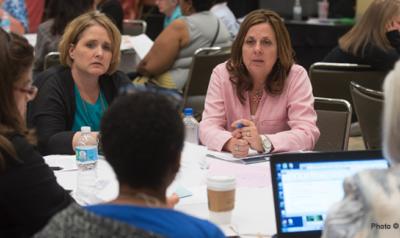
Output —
<point x="77" y="92"/>
<point x="171" y="9"/>
<point x="142" y="137"/>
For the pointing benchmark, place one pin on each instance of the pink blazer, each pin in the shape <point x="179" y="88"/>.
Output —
<point x="288" y="119"/>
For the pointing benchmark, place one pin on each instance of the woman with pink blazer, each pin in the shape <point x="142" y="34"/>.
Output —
<point x="260" y="99"/>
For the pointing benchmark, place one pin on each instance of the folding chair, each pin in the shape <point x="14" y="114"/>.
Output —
<point x="332" y="80"/>
<point x="368" y="105"/>
<point x="334" y="119"/>
<point x="204" y="61"/>
<point x="134" y="27"/>
<point x="51" y="59"/>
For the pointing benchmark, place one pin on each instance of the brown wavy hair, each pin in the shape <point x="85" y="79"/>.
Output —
<point x="16" y="57"/>
<point x="239" y="74"/>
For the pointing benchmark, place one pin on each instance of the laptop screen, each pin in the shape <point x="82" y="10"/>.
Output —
<point x="305" y="190"/>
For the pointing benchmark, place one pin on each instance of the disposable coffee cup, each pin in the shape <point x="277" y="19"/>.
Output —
<point x="221" y="198"/>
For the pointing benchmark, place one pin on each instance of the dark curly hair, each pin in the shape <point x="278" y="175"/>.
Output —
<point x="142" y="138"/>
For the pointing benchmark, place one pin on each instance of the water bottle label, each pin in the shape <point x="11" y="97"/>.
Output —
<point x="86" y="154"/>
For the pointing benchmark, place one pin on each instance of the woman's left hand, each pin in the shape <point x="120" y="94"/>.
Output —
<point x="172" y="200"/>
<point x="249" y="133"/>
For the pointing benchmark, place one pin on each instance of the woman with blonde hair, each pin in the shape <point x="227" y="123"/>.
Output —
<point x="78" y="92"/>
<point x="374" y="40"/>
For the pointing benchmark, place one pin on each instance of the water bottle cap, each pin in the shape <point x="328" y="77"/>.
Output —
<point x="85" y="129"/>
<point x="188" y="111"/>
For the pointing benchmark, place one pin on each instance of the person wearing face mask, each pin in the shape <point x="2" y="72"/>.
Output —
<point x="77" y="92"/>
<point x="259" y="99"/>
<point x="374" y="40"/>
<point x="29" y="192"/>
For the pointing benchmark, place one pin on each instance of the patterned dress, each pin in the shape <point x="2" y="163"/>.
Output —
<point x="17" y="9"/>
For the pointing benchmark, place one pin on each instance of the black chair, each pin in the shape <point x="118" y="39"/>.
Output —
<point x="368" y="105"/>
<point x="334" y="119"/>
<point x="204" y="61"/>
<point x="332" y="80"/>
<point x="134" y="27"/>
<point x="51" y="59"/>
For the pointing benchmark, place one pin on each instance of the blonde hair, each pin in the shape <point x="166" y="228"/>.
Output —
<point x="371" y="28"/>
<point x="73" y="32"/>
<point x="391" y="115"/>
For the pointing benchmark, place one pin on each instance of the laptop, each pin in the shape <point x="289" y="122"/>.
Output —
<point x="306" y="185"/>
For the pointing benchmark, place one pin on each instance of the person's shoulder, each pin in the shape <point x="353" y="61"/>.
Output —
<point x="118" y="78"/>
<point x="222" y="72"/>
<point x="53" y="75"/>
<point x="177" y="25"/>
<point x="199" y="227"/>
<point x="297" y="71"/>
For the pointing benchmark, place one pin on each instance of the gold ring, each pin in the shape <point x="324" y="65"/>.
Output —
<point x="248" y="134"/>
<point x="237" y="148"/>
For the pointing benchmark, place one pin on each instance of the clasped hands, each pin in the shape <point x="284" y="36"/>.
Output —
<point x="244" y="136"/>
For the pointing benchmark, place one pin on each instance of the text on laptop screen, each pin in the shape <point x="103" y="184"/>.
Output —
<point x="306" y="190"/>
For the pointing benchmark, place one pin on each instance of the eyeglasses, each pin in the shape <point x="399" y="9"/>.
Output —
<point x="31" y="91"/>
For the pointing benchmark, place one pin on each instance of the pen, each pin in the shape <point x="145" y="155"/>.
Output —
<point x="55" y="168"/>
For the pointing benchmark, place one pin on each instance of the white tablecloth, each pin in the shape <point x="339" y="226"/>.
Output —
<point x="253" y="214"/>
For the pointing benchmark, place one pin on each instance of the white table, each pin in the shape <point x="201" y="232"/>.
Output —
<point x="253" y="214"/>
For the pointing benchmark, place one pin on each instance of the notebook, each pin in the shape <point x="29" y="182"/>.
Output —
<point x="306" y="185"/>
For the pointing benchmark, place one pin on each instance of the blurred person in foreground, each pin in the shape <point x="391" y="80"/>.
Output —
<point x="29" y="192"/>
<point x="142" y="138"/>
<point x="372" y="197"/>
<point x="260" y="99"/>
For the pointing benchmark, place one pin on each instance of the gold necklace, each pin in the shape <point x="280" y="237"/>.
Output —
<point x="256" y="98"/>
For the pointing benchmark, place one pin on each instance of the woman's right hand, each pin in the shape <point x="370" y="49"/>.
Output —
<point x="238" y="147"/>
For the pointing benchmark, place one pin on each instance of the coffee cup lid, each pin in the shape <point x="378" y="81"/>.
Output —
<point x="221" y="182"/>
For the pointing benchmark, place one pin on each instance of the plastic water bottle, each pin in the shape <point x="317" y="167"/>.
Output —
<point x="86" y="150"/>
<point x="297" y="11"/>
<point x="191" y="126"/>
<point x="5" y="22"/>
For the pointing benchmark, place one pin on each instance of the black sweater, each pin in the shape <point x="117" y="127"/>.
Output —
<point x="53" y="110"/>
<point x="29" y="192"/>
<point x="374" y="56"/>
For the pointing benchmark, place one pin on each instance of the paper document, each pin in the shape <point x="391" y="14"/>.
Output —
<point x="253" y="157"/>
<point x="141" y="44"/>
